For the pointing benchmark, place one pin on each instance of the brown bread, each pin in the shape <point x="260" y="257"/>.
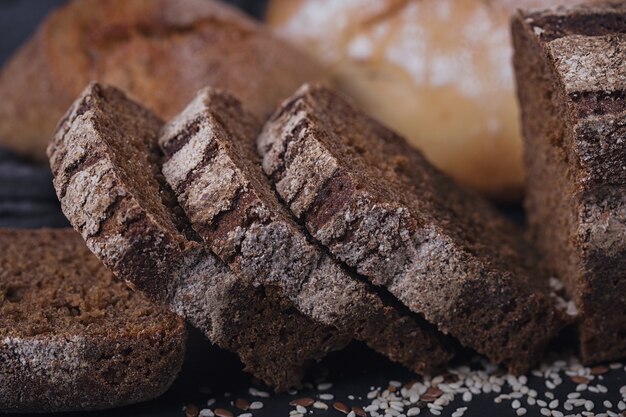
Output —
<point x="106" y="166"/>
<point x="381" y="208"/>
<point x="159" y="51"/>
<point x="72" y="336"/>
<point x="571" y="77"/>
<point x="213" y="168"/>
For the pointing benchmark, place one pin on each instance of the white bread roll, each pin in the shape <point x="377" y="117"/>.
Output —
<point x="437" y="71"/>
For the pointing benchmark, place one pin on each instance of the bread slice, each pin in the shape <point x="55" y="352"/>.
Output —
<point x="213" y="168"/>
<point x="159" y="51"/>
<point x="381" y="208"/>
<point x="571" y="78"/>
<point x="72" y="337"/>
<point x="106" y="166"/>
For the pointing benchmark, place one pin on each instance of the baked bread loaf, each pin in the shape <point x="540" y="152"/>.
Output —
<point x="72" y="337"/>
<point x="381" y="208"/>
<point x="214" y="169"/>
<point x="571" y="77"/>
<point x="159" y="51"/>
<point x="437" y="71"/>
<point x="106" y="166"/>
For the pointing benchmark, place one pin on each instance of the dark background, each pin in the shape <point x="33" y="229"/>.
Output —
<point x="27" y="199"/>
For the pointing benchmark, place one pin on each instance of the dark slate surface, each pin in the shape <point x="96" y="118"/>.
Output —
<point x="27" y="200"/>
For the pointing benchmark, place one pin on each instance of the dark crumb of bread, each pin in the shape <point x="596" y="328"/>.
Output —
<point x="107" y="173"/>
<point x="381" y="208"/>
<point x="215" y="171"/>
<point x="570" y="73"/>
<point x="74" y="337"/>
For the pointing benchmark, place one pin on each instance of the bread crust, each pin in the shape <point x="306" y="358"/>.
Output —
<point x="90" y="342"/>
<point x="159" y="51"/>
<point x="216" y="175"/>
<point x="381" y="208"/>
<point x="106" y="166"/>
<point x="570" y="73"/>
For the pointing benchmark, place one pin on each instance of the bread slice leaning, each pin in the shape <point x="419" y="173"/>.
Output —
<point x="381" y="208"/>
<point x="213" y="168"/>
<point x="72" y="336"/>
<point x="106" y="166"/>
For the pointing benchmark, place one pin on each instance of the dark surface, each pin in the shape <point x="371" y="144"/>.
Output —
<point x="27" y="200"/>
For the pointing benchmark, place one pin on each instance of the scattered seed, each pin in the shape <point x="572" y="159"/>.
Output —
<point x="304" y="402"/>
<point x="579" y="379"/>
<point x="242" y="404"/>
<point x="211" y="402"/>
<point x="351" y="414"/>
<point x="341" y="407"/>
<point x="467" y="396"/>
<point x="205" y="412"/>
<point x="599" y="370"/>
<point x="520" y="411"/>
<point x="320" y="405"/>
<point x="326" y="397"/>
<point x="191" y="410"/>
<point x="359" y="411"/>
<point x="324" y="386"/>
<point x="256" y="405"/>
<point x="245" y="415"/>
<point x="220" y="412"/>
<point x="415" y="411"/>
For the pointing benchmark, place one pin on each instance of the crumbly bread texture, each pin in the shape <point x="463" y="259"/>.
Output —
<point x="72" y="336"/>
<point x="159" y="51"/>
<point x="380" y="207"/>
<point x="214" y="169"/>
<point x="106" y="166"/>
<point x="571" y="77"/>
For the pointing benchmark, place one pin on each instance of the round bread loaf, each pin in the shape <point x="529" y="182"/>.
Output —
<point x="436" y="71"/>
<point x="159" y="51"/>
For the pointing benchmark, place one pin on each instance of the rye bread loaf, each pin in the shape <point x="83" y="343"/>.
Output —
<point x="212" y="166"/>
<point x="381" y="208"/>
<point x="571" y="77"/>
<point x="159" y="51"/>
<point x="72" y="336"/>
<point x="106" y="166"/>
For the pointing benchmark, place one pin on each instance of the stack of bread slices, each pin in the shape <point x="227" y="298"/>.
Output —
<point x="284" y="239"/>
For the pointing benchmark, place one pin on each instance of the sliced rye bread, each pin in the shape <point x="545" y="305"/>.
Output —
<point x="571" y="78"/>
<point x="212" y="166"/>
<point x="380" y="207"/>
<point x="106" y="166"/>
<point x="72" y="336"/>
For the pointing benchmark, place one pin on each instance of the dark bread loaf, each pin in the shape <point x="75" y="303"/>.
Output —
<point x="380" y="207"/>
<point x="571" y="77"/>
<point x="159" y="51"/>
<point x="106" y="166"/>
<point x="72" y="336"/>
<point x="213" y="168"/>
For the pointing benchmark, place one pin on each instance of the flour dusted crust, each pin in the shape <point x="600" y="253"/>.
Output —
<point x="215" y="171"/>
<point x="72" y="337"/>
<point x="377" y="205"/>
<point x="571" y="78"/>
<point x="106" y="166"/>
<point x="159" y="51"/>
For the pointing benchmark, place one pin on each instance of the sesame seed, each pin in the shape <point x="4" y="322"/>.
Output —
<point x="589" y="405"/>
<point x="467" y="396"/>
<point x="415" y="411"/>
<point x="520" y="411"/>
<point x="245" y="415"/>
<point x="516" y="404"/>
<point x="326" y="397"/>
<point x="351" y="414"/>
<point x="256" y="405"/>
<point x="553" y="404"/>
<point x="545" y="412"/>
<point x="324" y="386"/>
<point x="211" y="402"/>
<point x="542" y="403"/>
<point x="556" y="413"/>
<point x="320" y="405"/>
<point x="205" y="412"/>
